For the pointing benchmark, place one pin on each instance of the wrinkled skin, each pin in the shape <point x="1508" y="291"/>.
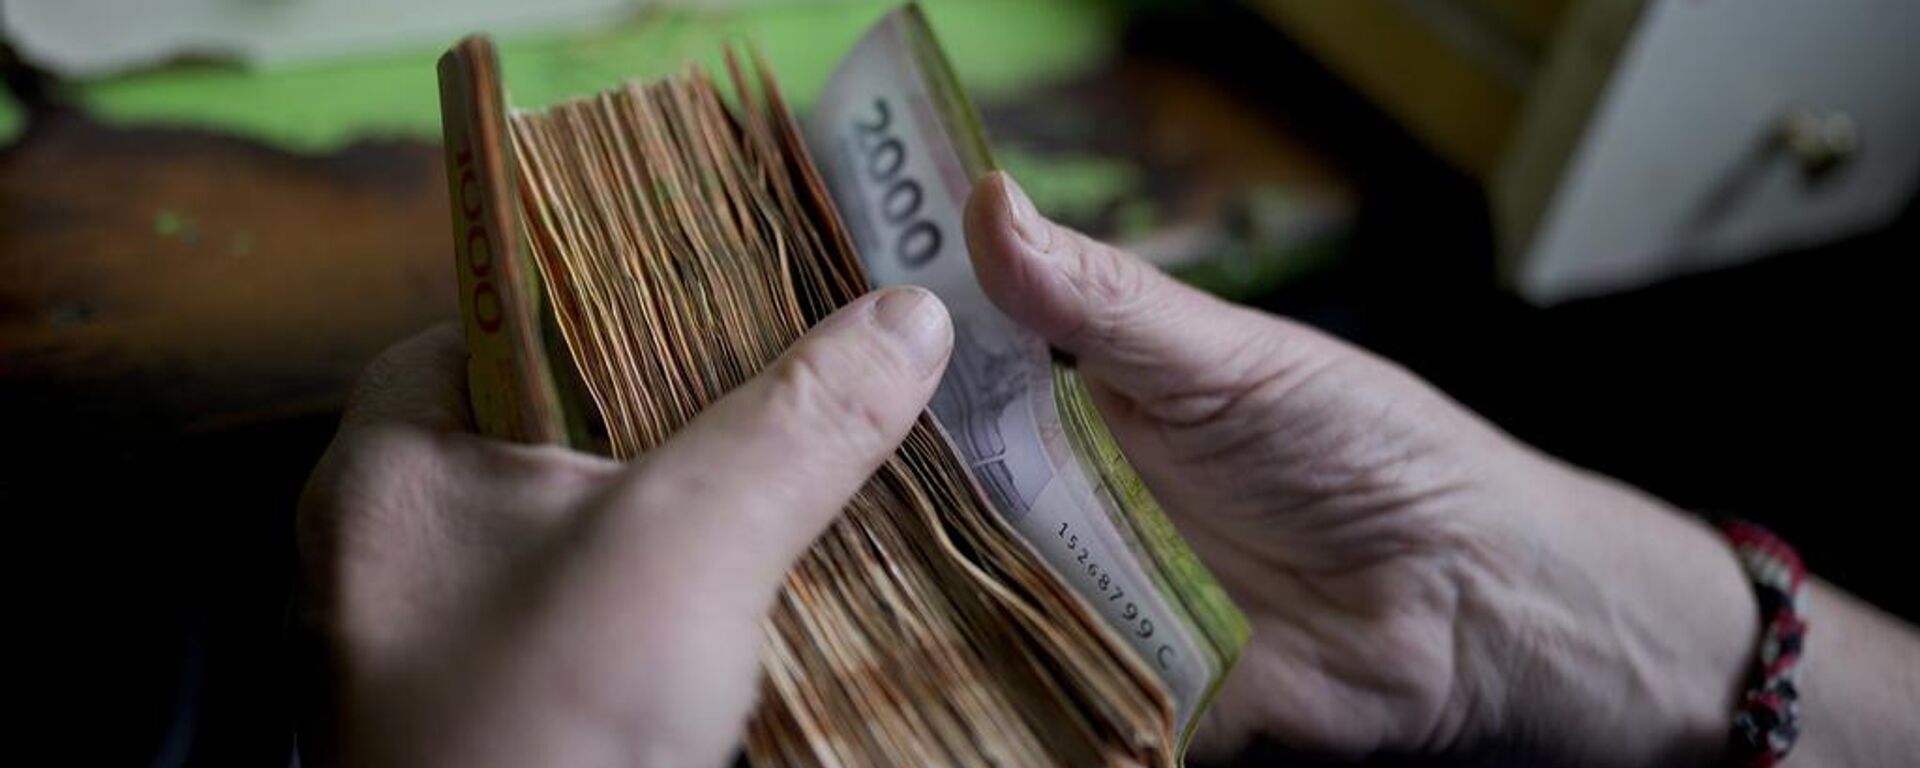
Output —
<point x="1416" y="581"/>
<point x="485" y="603"/>
<point x="1399" y="559"/>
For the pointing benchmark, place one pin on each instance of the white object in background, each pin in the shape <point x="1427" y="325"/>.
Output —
<point x="1723" y="130"/>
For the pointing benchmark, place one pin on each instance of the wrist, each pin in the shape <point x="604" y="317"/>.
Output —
<point x="1627" y="627"/>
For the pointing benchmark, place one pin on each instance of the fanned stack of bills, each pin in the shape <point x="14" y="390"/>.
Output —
<point x="1004" y="590"/>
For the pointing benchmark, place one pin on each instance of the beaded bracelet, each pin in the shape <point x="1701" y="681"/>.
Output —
<point x="1767" y="718"/>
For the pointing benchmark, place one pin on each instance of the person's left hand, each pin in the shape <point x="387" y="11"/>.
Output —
<point x="484" y="603"/>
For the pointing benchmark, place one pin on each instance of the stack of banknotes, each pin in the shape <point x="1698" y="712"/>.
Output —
<point x="1004" y="590"/>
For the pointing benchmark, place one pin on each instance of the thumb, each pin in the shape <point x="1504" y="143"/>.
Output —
<point x="1132" y="328"/>
<point x="740" y="493"/>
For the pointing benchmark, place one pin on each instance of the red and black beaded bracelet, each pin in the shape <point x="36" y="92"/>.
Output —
<point x="1767" y="719"/>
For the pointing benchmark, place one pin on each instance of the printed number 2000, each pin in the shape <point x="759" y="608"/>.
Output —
<point x="917" y="240"/>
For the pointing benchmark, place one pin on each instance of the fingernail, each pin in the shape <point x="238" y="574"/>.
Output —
<point x="1027" y="223"/>
<point x="919" y="323"/>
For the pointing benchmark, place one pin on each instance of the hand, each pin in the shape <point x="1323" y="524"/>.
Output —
<point x="496" y="604"/>
<point x="1416" y="581"/>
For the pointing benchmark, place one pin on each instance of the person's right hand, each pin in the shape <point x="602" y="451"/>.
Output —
<point x="483" y="603"/>
<point x="1416" y="580"/>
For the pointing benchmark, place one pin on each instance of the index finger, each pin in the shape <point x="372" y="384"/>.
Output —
<point x="421" y="381"/>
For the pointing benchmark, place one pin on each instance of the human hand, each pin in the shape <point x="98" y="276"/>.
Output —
<point x="486" y="603"/>
<point x="1416" y="580"/>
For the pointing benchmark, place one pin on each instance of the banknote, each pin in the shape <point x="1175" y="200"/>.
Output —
<point x="1005" y="590"/>
<point x="900" y="148"/>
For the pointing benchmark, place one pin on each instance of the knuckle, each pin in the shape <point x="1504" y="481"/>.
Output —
<point x="381" y="461"/>
<point x="412" y="379"/>
<point x="657" y="492"/>
<point x="553" y="475"/>
<point x="362" y="518"/>
<point x="377" y="381"/>
<point x="1116" y="286"/>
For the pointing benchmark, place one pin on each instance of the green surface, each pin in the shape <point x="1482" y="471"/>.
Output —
<point x="1272" y="236"/>
<point x="998" y="47"/>
<point x="1071" y="186"/>
<point x="11" y="120"/>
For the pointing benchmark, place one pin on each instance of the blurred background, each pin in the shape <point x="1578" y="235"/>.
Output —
<point x="1664" y="239"/>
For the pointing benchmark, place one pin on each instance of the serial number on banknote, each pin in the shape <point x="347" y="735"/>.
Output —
<point x="1092" y="572"/>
